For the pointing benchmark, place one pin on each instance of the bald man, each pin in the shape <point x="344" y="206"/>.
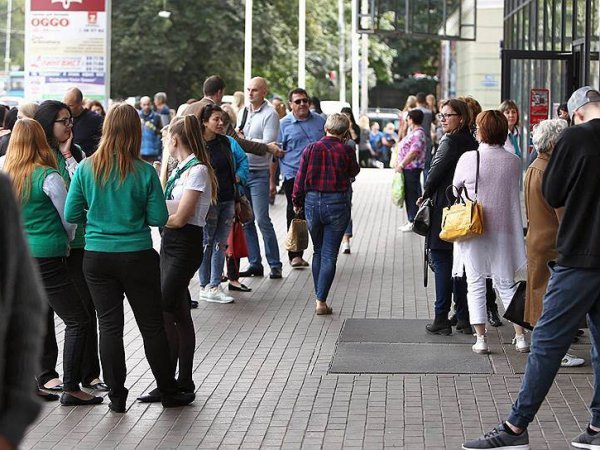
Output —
<point x="259" y="122"/>
<point x="87" y="125"/>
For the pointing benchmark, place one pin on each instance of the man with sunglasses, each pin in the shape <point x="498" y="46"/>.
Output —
<point x="296" y="131"/>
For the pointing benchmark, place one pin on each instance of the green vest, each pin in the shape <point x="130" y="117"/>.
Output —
<point x="45" y="233"/>
<point x="79" y="239"/>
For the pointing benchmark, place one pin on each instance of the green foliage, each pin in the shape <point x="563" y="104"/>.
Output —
<point x="17" y="35"/>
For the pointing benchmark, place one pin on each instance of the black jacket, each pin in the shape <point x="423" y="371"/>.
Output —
<point x="572" y="181"/>
<point x="443" y="164"/>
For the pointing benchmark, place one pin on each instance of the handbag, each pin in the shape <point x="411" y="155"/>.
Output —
<point x="515" y="312"/>
<point x="245" y="213"/>
<point x="297" y="237"/>
<point x="237" y="247"/>
<point x="463" y="219"/>
<point x="422" y="220"/>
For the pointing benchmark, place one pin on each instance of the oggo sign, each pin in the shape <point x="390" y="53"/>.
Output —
<point x="53" y="22"/>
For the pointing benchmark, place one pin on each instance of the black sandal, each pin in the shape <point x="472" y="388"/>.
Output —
<point x="241" y="288"/>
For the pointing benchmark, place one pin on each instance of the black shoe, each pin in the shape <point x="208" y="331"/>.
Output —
<point x="154" y="396"/>
<point x="493" y="317"/>
<point x="242" y="287"/>
<point x="275" y="273"/>
<point x="194" y="304"/>
<point x="47" y="397"/>
<point x="464" y="327"/>
<point x="441" y="325"/>
<point x="453" y="320"/>
<point x="252" y="272"/>
<point x="67" y="399"/>
<point x="178" y="399"/>
<point x="99" y="386"/>
<point x="118" y="404"/>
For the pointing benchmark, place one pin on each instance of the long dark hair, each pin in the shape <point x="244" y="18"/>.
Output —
<point x="46" y="114"/>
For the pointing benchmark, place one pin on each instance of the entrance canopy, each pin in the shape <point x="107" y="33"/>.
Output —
<point x="453" y="20"/>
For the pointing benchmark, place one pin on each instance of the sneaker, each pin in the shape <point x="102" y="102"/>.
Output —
<point x="481" y="347"/>
<point x="346" y="247"/>
<point x="521" y="344"/>
<point x="571" y="361"/>
<point x="587" y="440"/>
<point x="499" y="438"/>
<point x="216" y="295"/>
<point x="407" y="227"/>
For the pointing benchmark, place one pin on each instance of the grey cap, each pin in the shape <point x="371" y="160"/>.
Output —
<point x="581" y="97"/>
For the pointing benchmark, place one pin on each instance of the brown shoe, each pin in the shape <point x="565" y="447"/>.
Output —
<point x="297" y="262"/>
<point x="322" y="309"/>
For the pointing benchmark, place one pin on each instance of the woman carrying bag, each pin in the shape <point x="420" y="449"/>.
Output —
<point x="457" y="139"/>
<point x="230" y="164"/>
<point x="491" y="176"/>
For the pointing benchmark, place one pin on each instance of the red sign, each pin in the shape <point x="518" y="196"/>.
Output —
<point x="539" y="105"/>
<point x="67" y="5"/>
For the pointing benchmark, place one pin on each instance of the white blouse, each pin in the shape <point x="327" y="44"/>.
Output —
<point x="196" y="179"/>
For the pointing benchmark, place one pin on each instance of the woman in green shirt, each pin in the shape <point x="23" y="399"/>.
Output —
<point x="120" y="196"/>
<point x="57" y="121"/>
<point x="41" y="191"/>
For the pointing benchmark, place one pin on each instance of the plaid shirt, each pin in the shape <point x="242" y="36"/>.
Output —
<point x="325" y="166"/>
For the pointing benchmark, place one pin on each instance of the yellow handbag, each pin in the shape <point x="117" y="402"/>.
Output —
<point x="463" y="219"/>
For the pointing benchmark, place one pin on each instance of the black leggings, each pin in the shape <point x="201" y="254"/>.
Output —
<point x="137" y="275"/>
<point x="64" y="299"/>
<point x="180" y="257"/>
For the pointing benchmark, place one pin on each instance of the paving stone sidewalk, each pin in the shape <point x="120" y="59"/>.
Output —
<point x="261" y="366"/>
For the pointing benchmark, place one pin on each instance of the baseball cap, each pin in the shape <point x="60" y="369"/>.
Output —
<point x="581" y="97"/>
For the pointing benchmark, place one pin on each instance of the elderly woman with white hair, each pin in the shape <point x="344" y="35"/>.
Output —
<point x="542" y="225"/>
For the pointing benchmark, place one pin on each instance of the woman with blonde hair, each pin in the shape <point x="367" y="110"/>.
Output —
<point x="121" y="197"/>
<point x="411" y="103"/>
<point x="32" y="167"/>
<point x="190" y="190"/>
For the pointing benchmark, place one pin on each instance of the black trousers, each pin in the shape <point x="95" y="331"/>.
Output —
<point x="137" y="275"/>
<point x="180" y="257"/>
<point x="64" y="299"/>
<point x="90" y="363"/>
<point x="412" y="190"/>
<point x="288" y="188"/>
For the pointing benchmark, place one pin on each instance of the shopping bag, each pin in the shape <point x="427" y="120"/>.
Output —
<point x="237" y="246"/>
<point x="398" y="189"/>
<point x="297" y="237"/>
<point x="515" y="312"/>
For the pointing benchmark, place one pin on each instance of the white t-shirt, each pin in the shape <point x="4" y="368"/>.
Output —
<point x="196" y="179"/>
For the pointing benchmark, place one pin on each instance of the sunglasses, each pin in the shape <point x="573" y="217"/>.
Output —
<point x="301" y="101"/>
<point x="66" y="121"/>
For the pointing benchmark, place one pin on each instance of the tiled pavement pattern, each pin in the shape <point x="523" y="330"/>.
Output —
<point x="261" y="366"/>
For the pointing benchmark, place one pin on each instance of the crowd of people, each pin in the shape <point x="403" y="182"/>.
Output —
<point x="88" y="197"/>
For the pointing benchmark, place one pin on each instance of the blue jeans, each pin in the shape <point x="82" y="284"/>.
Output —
<point x="412" y="192"/>
<point x="218" y="225"/>
<point x="446" y="285"/>
<point x="572" y="293"/>
<point x="327" y="215"/>
<point x="349" y="228"/>
<point x="257" y="190"/>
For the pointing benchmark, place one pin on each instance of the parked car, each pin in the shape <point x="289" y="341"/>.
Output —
<point x="384" y="115"/>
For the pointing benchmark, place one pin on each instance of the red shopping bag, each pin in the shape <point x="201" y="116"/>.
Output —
<point x="236" y="242"/>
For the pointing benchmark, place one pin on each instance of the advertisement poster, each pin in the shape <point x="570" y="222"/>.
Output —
<point x="67" y="44"/>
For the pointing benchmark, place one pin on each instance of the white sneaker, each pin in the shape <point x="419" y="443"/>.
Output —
<point x="520" y="343"/>
<point x="407" y="227"/>
<point x="216" y="295"/>
<point x="346" y="247"/>
<point x="481" y="346"/>
<point x="571" y="361"/>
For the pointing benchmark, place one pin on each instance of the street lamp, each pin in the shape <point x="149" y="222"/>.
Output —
<point x="165" y="14"/>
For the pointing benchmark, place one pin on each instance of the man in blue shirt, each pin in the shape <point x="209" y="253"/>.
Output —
<point x="298" y="129"/>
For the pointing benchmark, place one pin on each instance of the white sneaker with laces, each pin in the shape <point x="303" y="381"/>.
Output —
<point x="407" y="227"/>
<point x="571" y="361"/>
<point x="216" y="295"/>
<point x="520" y="343"/>
<point x="203" y="291"/>
<point x="481" y="346"/>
